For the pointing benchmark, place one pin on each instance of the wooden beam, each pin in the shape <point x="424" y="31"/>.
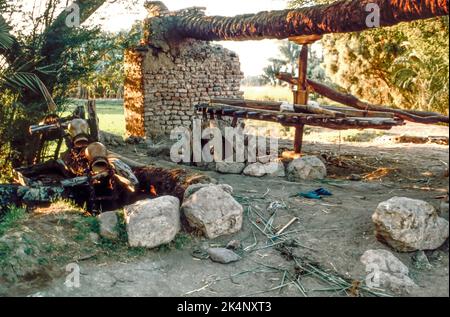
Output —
<point x="275" y="106"/>
<point x="298" y="119"/>
<point x="336" y="17"/>
<point x="305" y="39"/>
<point x="93" y="120"/>
<point x="352" y="101"/>
<point x="301" y="95"/>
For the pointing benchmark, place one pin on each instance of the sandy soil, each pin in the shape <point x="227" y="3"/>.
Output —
<point x="333" y="232"/>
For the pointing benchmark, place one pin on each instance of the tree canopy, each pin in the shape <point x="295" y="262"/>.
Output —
<point x="41" y="63"/>
<point x="406" y="66"/>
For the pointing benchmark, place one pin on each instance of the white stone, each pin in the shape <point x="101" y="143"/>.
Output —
<point x="275" y="169"/>
<point x="108" y="225"/>
<point x="222" y="255"/>
<point x="192" y="189"/>
<point x="213" y="211"/>
<point x="230" y="168"/>
<point x="385" y="271"/>
<point x="153" y="222"/>
<point x="255" y="170"/>
<point x="262" y="151"/>
<point x="306" y="168"/>
<point x="409" y="224"/>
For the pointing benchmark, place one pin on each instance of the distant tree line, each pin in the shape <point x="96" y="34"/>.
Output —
<point x="288" y="62"/>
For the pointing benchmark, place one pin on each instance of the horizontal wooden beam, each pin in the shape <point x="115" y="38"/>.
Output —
<point x="295" y="119"/>
<point x="275" y="106"/>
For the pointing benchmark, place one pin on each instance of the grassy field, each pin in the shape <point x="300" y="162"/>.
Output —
<point x="272" y="93"/>
<point x="110" y="114"/>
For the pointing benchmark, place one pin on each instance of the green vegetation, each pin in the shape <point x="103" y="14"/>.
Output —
<point x="12" y="216"/>
<point x="405" y="66"/>
<point x="363" y="136"/>
<point x="85" y="226"/>
<point x="288" y="62"/>
<point x="110" y="114"/>
<point x="44" y="64"/>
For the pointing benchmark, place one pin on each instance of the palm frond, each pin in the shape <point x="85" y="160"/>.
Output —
<point x="23" y="80"/>
<point x="6" y="39"/>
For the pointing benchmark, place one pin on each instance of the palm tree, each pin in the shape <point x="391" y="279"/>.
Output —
<point x="18" y="78"/>
<point x="290" y="53"/>
<point x="17" y="75"/>
<point x="423" y="81"/>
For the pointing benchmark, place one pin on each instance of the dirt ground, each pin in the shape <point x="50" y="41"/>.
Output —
<point x="331" y="234"/>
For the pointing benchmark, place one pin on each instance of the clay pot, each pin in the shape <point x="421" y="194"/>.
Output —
<point x="79" y="132"/>
<point x="97" y="154"/>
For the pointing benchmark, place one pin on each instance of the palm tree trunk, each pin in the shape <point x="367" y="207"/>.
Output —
<point x="338" y="17"/>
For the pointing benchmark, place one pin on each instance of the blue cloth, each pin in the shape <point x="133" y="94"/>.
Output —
<point x="315" y="194"/>
<point x="310" y="195"/>
<point x="323" y="192"/>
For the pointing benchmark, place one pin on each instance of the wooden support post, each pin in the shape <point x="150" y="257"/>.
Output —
<point x="301" y="95"/>
<point x="302" y="86"/>
<point x="93" y="120"/>
<point x="58" y="148"/>
<point x="298" y="142"/>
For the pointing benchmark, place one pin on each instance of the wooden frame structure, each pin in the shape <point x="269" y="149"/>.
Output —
<point x="355" y="114"/>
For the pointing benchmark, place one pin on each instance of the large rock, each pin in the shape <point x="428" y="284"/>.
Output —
<point x="230" y="168"/>
<point x="275" y="169"/>
<point x="255" y="170"/>
<point x="222" y="255"/>
<point x="212" y="210"/>
<point x="387" y="272"/>
<point x="153" y="222"/>
<point x="110" y="139"/>
<point x="196" y="187"/>
<point x="108" y="225"/>
<point x="306" y="168"/>
<point x="409" y="225"/>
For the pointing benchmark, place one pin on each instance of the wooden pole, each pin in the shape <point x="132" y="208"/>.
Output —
<point x="299" y="129"/>
<point x="301" y="96"/>
<point x="352" y="101"/>
<point x="93" y="120"/>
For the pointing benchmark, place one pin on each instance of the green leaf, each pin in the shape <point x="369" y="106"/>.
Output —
<point x="6" y="39"/>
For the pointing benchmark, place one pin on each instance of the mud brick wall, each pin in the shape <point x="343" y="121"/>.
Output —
<point x="162" y="88"/>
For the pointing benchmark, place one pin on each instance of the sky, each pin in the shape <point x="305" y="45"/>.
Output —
<point x="121" y="15"/>
<point x="254" y="55"/>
